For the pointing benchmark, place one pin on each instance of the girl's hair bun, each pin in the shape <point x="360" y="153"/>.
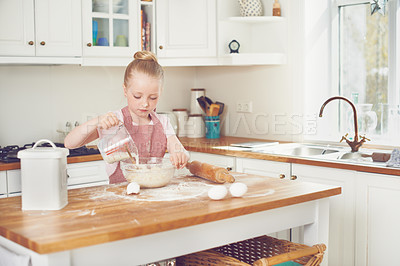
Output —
<point x="145" y="56"/>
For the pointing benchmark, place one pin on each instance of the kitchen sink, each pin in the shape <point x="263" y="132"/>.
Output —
<point x="301" y="150"/>
<point x="350" y="156"/>
<point x="309" y="151"/>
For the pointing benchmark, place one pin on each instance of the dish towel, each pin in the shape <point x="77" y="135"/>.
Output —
<point x="7" y="258"/>
<point x="394" y="160"/>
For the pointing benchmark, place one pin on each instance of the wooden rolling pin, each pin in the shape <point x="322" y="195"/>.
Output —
<point x="210" y="172"/>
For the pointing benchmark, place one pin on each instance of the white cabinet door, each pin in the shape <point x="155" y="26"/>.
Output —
<point x="186" y="28"/>
<point x="110" y="29"/>
<point x="40" y="28"/>
<point x="3" y="184"/>
<point x="58" y="28"/>
<point x="270" y="169"/>
<point x="263" y="167"/>
<point x="14" y="182"/>
<point x="341" y="209"/>
<point x="17" y="32"/>
<point x="377" y="219"/>
<point x="86" y="173"/>
<point x="227" y="162"/>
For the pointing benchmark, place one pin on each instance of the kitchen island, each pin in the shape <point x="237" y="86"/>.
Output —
<point x="104" y="226"/>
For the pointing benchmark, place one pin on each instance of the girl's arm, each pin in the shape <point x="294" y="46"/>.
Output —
<point x="178" y="155"/>
<point x="87" y="132"/>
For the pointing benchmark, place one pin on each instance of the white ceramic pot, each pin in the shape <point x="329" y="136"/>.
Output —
<point x="249" y="8"/>
<point x="182" y="117"/>
<point x="172" y="120"/>
<point x="195" y="127"/>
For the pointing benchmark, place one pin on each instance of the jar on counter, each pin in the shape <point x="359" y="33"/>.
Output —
<point x="195" y="127"/>
<point x="182" y="117"/>
<point x="194" y="105"/>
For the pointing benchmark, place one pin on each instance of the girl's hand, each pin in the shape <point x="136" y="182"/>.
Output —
<point x="108" y="120"/>
<point x="179" y="159"/>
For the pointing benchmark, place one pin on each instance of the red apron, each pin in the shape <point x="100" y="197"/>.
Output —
<point x="149" y="139"/>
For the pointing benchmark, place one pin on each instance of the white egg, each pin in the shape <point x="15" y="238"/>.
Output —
<point x="217" y="192"/>
<point x="238" y="189"/>
<point x="133" y="188"/>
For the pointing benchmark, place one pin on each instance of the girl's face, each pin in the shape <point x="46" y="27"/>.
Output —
<point x="142" y="94"/>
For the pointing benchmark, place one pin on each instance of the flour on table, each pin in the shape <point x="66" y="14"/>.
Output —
<point x="179" y="188"/>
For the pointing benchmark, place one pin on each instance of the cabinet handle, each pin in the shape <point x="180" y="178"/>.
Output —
<point x="229" y="168"/>
<point x="293" y="177"/>
<point x="30" y="42"/>
<point x="282" y="176"/>
<point x="89" y="44"/>
<point x="161" y="47"/>
<point x="42" y="43"/>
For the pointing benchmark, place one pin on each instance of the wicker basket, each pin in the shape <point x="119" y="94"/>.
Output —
<point x="262" y="250"/>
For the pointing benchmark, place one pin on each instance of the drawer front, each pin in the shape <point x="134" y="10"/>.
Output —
<point x="87" y="172"/>
<point x="214" y="159"/>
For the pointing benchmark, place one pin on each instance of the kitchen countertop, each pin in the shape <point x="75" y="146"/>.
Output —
<point x="207" y="146"/>
<point x="104" y="214"/>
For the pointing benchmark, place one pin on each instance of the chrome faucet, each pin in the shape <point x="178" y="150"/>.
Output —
<point x="355" y="144"/>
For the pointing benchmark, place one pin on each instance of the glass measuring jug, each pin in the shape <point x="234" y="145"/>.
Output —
<point x="117" y="145"/>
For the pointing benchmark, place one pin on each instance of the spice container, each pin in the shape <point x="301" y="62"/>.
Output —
<point x="118" y="145"/>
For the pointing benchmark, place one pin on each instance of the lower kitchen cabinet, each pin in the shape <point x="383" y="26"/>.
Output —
<point x="270" y="169"/>
<point x="14" y="182"/>
<point x="341" y="210"/>
<point x="263" y="167"/>
<point x="86" y="174"/>
<point x="342" y="207"/>
<point x="377" y="219"/>
<point x="3" y="184"/>
<point x="227" y="162"/>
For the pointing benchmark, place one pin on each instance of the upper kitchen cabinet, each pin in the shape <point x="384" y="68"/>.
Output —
<point x="186" y="32"/>
<point x="40" y="31"/>
<point x="262" y="39"/>
<point x="110" y="31"/>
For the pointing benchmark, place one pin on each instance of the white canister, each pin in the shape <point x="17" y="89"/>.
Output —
<point x="194" y="105"/>
<point x="182" y="117"/>
<point x="44" y="177"/>
<point x="172" y="120"/>
<point x="195" y="127"/>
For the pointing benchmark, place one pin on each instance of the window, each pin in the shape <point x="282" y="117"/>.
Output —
<point x="367" y="71"/>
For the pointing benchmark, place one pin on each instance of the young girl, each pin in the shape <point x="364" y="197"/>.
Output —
<point x="152" y="133"/>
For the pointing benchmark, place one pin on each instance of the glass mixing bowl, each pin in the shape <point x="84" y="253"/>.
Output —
<point x="149" y="173"/>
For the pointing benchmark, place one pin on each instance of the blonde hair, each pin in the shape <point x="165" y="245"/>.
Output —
<point x="144" y="62"/>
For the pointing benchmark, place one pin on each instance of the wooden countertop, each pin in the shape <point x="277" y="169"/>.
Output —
<point x="206" y="146"/>
<point x="105" y="213"/>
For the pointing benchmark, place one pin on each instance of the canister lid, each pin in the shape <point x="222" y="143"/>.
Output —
<point x="43" y="152"/>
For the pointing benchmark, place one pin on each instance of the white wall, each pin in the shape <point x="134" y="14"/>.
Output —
<point x="35" y="101"/>
<point x="38" y="100"/>
<point x="269" y="90"/>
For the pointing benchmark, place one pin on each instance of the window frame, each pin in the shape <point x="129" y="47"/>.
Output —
<point x="393" y="12"/>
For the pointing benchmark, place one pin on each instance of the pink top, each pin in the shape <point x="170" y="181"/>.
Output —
<point x="151" y="139"/>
